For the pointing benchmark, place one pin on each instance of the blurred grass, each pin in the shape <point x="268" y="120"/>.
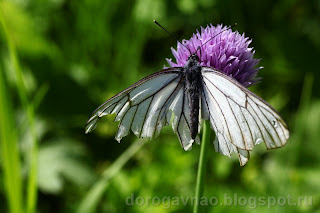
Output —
<point x="28" y="107"/>
<point x="92" y="198"/>
<point x="301" y="118"/>
<point x="73" y="55"/>
<point x="9" y="152"/>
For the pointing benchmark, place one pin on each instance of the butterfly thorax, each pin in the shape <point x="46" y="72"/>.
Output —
<point x="192" y="71"/>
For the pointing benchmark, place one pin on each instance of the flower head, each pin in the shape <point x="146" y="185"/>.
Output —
<point x="228" y="52"/>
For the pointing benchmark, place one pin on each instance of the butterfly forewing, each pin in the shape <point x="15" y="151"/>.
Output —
<point x="135" y="95"/>
<point x="239" y="117"/>
<point x="148" y="105"/>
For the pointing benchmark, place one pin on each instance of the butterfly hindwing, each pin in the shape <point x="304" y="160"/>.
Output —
<point x="181" y="119"/>
<point x="213" y="112"/>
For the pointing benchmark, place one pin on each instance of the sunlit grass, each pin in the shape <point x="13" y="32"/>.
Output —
<point x="29" y="110"/>
<point x="9" y="151"/>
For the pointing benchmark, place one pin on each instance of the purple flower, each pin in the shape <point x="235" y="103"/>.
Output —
<point x="228" y="52"/>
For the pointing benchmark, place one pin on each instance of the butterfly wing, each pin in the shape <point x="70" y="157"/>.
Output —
<point x="240" y="118"/>
<point x="181" y="118"/>
<point x="148" y="105"/>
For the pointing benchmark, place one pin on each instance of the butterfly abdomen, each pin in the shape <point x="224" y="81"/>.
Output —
<point x="193" y="85"/>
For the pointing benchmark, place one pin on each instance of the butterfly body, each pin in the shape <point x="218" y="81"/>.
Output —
<point x="192" y="71"/>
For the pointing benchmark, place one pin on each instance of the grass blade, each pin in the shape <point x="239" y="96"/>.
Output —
<point x="9" y="152"/>
<point x="94" y="195"/>
<point x="28" y="108"/>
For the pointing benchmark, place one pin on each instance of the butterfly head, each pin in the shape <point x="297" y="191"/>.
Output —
<point x="194" y="58"/>
<point x="192" y="62"/>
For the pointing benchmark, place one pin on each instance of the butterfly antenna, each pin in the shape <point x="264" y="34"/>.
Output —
<point x="235" y="24"/>
<point x="171" y="35"/>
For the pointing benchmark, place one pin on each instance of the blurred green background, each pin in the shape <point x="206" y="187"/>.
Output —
<point x="61" y="59"/>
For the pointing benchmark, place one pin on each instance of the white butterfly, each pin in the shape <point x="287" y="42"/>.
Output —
<point x="188" y="94"/>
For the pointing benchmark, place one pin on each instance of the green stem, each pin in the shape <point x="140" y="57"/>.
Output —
<point x="202" y="165"/>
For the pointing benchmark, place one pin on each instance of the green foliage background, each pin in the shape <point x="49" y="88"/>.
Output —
<point x="61" y="59"/>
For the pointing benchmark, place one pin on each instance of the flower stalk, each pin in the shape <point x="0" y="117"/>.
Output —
<point x="202" y="165"/>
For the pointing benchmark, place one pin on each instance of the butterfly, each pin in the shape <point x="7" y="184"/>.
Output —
<point x="184" y="96"/>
